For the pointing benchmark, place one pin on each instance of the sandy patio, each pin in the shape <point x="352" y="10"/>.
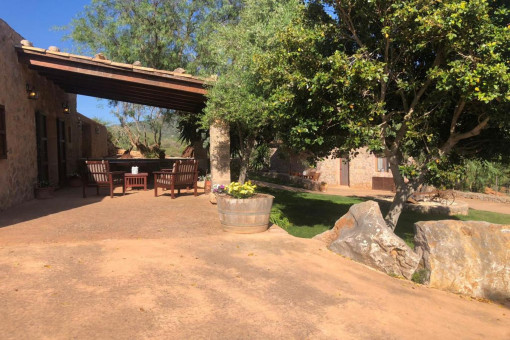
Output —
<point x="142" y="267"/>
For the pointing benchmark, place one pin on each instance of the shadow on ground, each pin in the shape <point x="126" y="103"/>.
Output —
<point x="67" y="199"/>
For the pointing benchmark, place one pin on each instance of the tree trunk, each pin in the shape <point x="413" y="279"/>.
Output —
<point x="245" y="159"/>
<point x="243" y="171"/>
<point x="401" y="196"/>
<point x="403" y="192"/>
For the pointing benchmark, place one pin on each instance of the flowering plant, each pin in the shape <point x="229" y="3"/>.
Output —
<point x="218" y="188"/>
<point x="236" y="190"/>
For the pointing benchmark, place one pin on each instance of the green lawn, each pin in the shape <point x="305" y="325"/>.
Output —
<point x="307" y="214"/>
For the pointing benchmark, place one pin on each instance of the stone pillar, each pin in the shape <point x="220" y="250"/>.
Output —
<point x="220" y="152"/>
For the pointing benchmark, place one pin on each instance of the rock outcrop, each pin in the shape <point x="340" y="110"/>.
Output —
<point x="362" y="235"/>
<point x="470" y="257"/>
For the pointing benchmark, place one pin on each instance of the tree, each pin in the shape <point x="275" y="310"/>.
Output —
<point x="142" y="125"/>
<point x="236" y="97"/>
<point x="418" y="81"/>
<point x="159" y="34"/>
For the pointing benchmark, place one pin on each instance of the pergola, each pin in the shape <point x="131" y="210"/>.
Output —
<point x="103" y="78"/>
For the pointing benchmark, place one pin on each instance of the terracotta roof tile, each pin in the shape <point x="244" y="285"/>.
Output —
<point x="128" y="66"/>
<point x="63" y="54"/>
<point x="113" y="63"/>
<point x="37" y="49"/>
<point x="80" y="57"/>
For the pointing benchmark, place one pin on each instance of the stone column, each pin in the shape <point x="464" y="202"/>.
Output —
<point x="219" y="151"/>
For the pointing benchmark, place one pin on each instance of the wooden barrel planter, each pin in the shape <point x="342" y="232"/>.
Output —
<point x="245" y="216"/>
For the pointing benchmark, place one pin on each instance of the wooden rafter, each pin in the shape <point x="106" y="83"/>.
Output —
<point x="116" y="81"/>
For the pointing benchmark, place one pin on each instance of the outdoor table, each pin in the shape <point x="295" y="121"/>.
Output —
<point x="136" y="180"/>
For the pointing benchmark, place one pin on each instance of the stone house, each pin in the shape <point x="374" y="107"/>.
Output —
<point x="363" y="170"/>
<point x="42" y="137"/>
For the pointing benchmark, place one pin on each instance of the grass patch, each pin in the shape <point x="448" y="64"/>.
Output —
<point x="420" y="276"/>
<point x="304" y="214"/>
<point x="489" y="216"/>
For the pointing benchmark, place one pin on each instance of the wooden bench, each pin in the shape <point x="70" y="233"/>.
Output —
<point x="184" y="175"/>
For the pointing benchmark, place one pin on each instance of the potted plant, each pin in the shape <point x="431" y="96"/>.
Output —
<point x="323" y="187"/>
<point x="241" y="209"/>
<point x="74" y="180"/>
<point x="200" y="181"/>
<point x="207" y="183"/>
<point x="44" y="190"/>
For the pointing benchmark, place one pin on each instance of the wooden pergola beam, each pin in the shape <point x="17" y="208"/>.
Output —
<point x="116" y="81"/>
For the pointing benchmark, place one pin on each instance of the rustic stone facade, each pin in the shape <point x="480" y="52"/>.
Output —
<point x="283" y="161"/>
<point x="362" y="167"/>
<point x="18" y="172"/>
<point x="219" y="150"/>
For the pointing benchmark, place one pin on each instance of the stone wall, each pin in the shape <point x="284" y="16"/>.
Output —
<point x="287" y="179"/>
<point x="98" y="138"/>
<point x="330" y="170"/>
<point x="483" y="197"/>
<point x="18" y="173"/>
<point x="286" y="162"/>
<point x="362" y="167"/>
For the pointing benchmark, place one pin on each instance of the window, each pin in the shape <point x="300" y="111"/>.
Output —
<point x="3" y="133"/>
<point x="382" y="164"/>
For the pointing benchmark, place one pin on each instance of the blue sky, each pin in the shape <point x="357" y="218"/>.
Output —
<point x="34" y="19"/>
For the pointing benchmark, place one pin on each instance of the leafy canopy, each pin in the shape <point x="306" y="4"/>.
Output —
<point x="413" y="79"/>
<point x="159" y="34"/>
<point x="237" y="98"/>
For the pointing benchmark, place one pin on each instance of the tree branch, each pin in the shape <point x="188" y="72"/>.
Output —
<point x="421" y="91"/>
<point x="405" y="104"/>
<point x="350" y="25"/>
<point x="474" y="132"/>
<point x="455" y="138"/>
<point x="456" y="115"/>
<point x="384" y="84"/>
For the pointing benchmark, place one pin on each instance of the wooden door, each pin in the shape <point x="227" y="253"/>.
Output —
<point x="61" y="150"/>
<point x="344" y="171"/>
<point x="42" y="146"/>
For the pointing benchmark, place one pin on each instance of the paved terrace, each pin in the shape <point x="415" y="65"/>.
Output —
<point x="143" y="267"/>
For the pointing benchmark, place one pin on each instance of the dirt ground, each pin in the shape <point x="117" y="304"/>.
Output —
<point x="498" y="207"/>
<point x="138" y="267"/>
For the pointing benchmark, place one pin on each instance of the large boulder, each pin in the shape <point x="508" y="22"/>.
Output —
<point x="470" y="257"/>
<point x="362" y="235"/>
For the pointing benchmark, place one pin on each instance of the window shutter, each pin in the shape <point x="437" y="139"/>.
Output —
<point x="3" y="133"/>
